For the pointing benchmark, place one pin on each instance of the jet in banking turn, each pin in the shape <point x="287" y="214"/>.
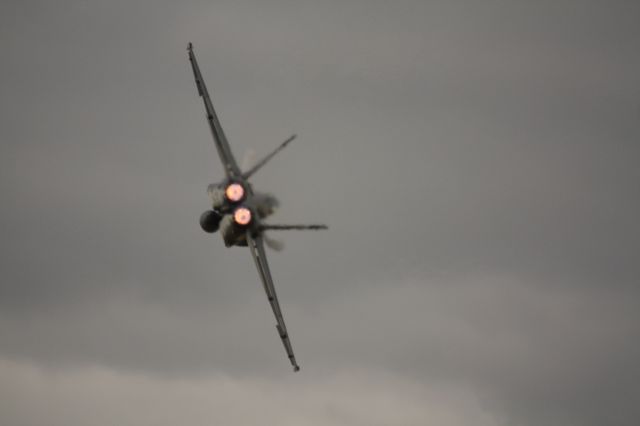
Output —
<point x="238" y="212"/>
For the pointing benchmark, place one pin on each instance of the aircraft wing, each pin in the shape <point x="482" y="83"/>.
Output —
<point x="224" y="151"/>
<point x="257" y="251"/>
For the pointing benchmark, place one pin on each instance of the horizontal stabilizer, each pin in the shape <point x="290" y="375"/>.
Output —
<point x="314" y="227"/>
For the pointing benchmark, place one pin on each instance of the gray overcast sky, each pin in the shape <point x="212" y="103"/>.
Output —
<point x="477" y="163"/>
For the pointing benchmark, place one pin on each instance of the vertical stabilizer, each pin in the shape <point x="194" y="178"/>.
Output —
<point x="264" y="161"/>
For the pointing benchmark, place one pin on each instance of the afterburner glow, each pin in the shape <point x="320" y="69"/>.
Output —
<point x="242" y="216"/>
<point x="234" y="192"/>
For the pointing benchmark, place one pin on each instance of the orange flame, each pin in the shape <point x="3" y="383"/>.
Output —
<point x="242" y="216"/>
<point x="234" y="192"/>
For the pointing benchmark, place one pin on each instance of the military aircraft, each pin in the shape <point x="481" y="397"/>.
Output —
<point x="238" y="211"/>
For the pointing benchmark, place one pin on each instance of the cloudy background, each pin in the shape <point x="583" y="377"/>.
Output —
<point x="477" y="163"/>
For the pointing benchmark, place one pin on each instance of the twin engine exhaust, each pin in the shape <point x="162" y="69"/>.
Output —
<point x="236" y="206"/>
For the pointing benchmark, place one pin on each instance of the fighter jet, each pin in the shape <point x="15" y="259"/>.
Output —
<point x="238" y="212"/>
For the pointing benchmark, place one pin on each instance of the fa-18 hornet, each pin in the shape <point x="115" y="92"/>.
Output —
<point x="238" y="211"/>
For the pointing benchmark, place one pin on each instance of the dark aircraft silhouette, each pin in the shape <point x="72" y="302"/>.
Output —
<point x="238" y="211"/>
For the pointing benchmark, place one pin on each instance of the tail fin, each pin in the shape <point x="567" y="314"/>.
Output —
<point x="251" y="171"/>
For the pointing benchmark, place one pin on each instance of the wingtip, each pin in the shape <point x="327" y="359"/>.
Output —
<point x="296" y="368"/>
<point x="190" y="46"/>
